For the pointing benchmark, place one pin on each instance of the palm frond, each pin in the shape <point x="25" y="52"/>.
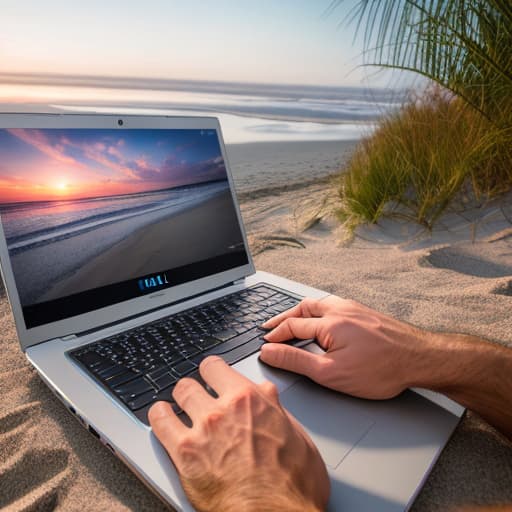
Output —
<point x="463" y="45"/>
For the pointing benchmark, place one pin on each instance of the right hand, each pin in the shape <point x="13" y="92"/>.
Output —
<point x="368" y="354"/>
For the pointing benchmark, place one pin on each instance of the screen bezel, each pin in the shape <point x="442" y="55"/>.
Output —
<point x="122" y="310"/>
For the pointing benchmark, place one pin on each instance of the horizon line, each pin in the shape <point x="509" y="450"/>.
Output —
<point x="160" y="83"/>
<point x="88" y="198"/>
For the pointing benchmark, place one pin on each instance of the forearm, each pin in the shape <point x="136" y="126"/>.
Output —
<point x="254" y="495"/>
<point x="473" y="372"/>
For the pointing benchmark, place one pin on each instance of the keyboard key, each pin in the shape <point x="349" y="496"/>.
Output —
<point x="155" y="374"/>
<point x="112" y="371"/>
<point x="189" y="351"/>
<point x="206" y="343"/>
<point x="225" y="335"/>
<point x="164" y="381"/>
<point x="240" y="339"/>
<point x="133" y="388"/>
<point x="142" y="400"/>
<point x="176" y="408"/>
<point x="90" y="359"/>
<point x="183" y="368"/>
<point x="122" y="378"/>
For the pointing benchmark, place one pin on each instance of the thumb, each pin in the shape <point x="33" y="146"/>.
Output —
<point x="294" y="359"/>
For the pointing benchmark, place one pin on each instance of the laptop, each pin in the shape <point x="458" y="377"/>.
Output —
<point x="125" y="260"/>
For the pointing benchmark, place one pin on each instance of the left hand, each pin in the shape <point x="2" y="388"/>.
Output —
<point x="243" y="451"/>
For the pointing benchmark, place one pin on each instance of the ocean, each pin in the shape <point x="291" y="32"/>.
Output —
<point x="247" y="112"/>
<point x="30" y="224"/>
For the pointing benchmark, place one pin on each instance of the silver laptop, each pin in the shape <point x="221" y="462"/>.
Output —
<point x="125" y="260"/>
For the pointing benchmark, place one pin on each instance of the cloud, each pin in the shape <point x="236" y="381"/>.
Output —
<point x="183" y="173"/>
<point x="39" y="140"/>
<point x="96" y="151"/>
<point x="107" y="156"/>
<point x="114" y="151"/>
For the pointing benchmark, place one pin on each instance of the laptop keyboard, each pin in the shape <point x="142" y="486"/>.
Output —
<point x="142" y="365"/>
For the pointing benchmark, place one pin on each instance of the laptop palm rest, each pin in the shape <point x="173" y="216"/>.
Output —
<point x="376" y="451"/>
<point x="335" y="422"/>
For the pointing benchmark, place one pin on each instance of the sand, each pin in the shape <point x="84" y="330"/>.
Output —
<point x="156" y="247"/>
<point x="458" y="278"/>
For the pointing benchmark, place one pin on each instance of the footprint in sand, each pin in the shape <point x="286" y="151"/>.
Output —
<point x="30" y="479"/>
<point x="475" y="260"/>
<point x="503" y="289"/>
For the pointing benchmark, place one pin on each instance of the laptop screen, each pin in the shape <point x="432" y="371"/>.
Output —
<point x="93" y="217"/>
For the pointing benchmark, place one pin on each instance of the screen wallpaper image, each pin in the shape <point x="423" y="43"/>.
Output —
<point x="84" y="209"/>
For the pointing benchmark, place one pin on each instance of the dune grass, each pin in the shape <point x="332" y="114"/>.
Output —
<point x="457" y="140"/>
<point x="422" y="158"/>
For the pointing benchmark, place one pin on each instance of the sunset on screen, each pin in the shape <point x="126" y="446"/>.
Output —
<point x="61" y="164"/>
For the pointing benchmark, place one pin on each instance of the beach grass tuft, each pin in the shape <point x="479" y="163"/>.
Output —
<point x="456" y="141"/>
<point x="433" y="151"/>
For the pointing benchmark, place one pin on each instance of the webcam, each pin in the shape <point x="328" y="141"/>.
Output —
<point x="120" y="122"/>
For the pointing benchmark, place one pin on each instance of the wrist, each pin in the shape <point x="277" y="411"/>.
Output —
<point x="267" y="495"/>
<point x="270" y="503"/>
<point x="449" y="363"/>
<point x="439" y="361"/>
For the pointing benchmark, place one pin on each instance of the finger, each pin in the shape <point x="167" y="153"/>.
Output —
<point x="302" y="328"/>
<point x="295" y="360"/>
<point x="192" y="398"/>
<point x="167" y="427"/>
<point x="307" y="308"/>
<point x="220" y="376"/>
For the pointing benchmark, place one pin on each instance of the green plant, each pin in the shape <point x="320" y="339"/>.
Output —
<point x="423" y="156"/>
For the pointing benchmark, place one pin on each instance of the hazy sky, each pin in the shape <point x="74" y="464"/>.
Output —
<point x="269" y="41"/>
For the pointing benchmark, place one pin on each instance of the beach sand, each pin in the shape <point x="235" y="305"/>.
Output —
<point x="458" y="278"/>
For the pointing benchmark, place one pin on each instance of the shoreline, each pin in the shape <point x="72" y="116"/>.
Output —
<point x="111" y="266"/>
<point x="267" y="167"/>
<point x="259" y="193"/>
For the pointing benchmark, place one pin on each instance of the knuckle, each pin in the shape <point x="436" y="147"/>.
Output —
<point x="212" y="419"/>
<point x="289" y="324"/>
<point x="186" y="447"/>
<point x="321" y="366"/>
<point x="241" y="395"/>
<point x="269" y="389"/>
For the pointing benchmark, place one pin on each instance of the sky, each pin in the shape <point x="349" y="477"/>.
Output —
<point x="42" y="165"/>
<point x="262" y="41"/>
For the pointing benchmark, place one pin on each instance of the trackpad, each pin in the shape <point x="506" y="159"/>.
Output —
<point x="335" y="422"/>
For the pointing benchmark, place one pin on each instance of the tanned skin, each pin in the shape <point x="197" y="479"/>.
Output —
<point x="371" y="355"/>
<point x="245" y="452"/>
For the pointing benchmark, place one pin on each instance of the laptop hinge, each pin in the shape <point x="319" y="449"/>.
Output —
<point x="69" y="337"/>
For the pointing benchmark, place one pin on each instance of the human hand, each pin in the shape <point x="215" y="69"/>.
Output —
<point x="243" y="451"/>
<point x="368" y="354"/>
